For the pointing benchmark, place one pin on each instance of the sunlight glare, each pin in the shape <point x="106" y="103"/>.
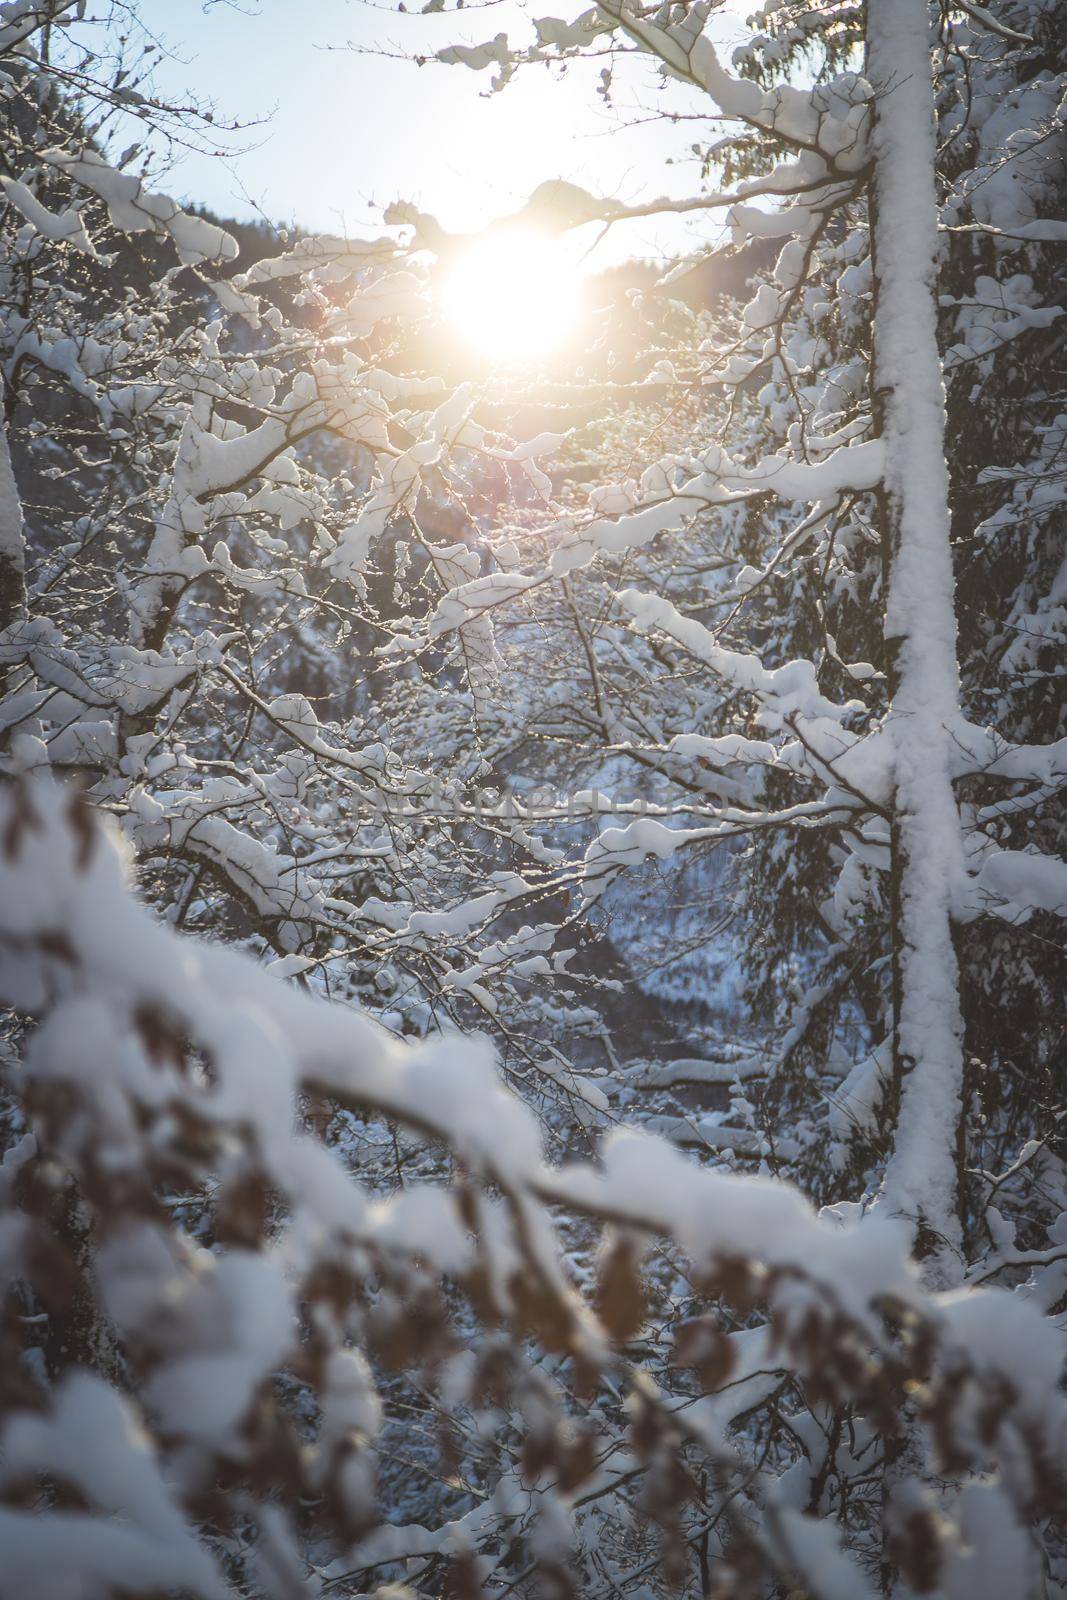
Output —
<point x="513" y="295"/>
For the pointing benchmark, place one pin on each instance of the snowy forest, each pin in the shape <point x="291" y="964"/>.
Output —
<point x="533" y="844"/>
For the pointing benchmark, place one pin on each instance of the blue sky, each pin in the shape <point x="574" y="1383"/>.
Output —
<point x="350" y="131"/>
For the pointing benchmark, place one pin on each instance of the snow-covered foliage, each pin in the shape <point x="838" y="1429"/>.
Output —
<point x="863" y="692"/>
<point x="325" y="1270"/>
<point x="194" y="1406"/>
<point x="238" y="515"/>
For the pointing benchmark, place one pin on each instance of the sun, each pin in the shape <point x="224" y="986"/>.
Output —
<point x="513" y="295"/>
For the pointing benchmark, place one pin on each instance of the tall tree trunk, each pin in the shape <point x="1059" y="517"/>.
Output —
<point x="921" y="1181"/>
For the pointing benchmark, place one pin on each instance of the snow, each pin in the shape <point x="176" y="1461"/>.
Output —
<point x="994" y="1327"/>
<point x="331" y="258"/>
<point x="1024" y="881"/>
<point x="205" y="1395"/>
<point x="267" y="1036"/>
<point x="290" y="491"/>
<point x="786" y="691"/>
<point x="856" y="1102"/>
<point x="64" y="227"/>
<point x="133" y="209"/>
<point x="91" y="1439"/>
<point x="920" y="619"/>
<point x="224" y="1323"/>
<point x="723" y="481"/>
<point x="995" y="1555"/>
<point x="85" y="1554"/>
<point x="813" y="1549"/>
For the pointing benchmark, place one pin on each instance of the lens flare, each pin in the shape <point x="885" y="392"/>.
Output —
<point x="513" y="295"/>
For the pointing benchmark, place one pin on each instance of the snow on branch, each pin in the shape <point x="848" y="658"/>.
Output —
<point x="134" y="209"/>
<point x="186" y="1062"/>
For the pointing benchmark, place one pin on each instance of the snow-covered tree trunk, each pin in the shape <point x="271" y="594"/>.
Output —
<point x="12" y="555"/>
<point x="920" y="622"/>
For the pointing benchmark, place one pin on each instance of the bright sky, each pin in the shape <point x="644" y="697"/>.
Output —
<point x="349" y="132"/>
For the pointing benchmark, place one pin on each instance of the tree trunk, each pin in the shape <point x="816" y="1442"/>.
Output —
<point x="921" y="1180"/>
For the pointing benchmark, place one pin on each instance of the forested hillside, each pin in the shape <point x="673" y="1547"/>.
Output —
<point x="533" y="857"/>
